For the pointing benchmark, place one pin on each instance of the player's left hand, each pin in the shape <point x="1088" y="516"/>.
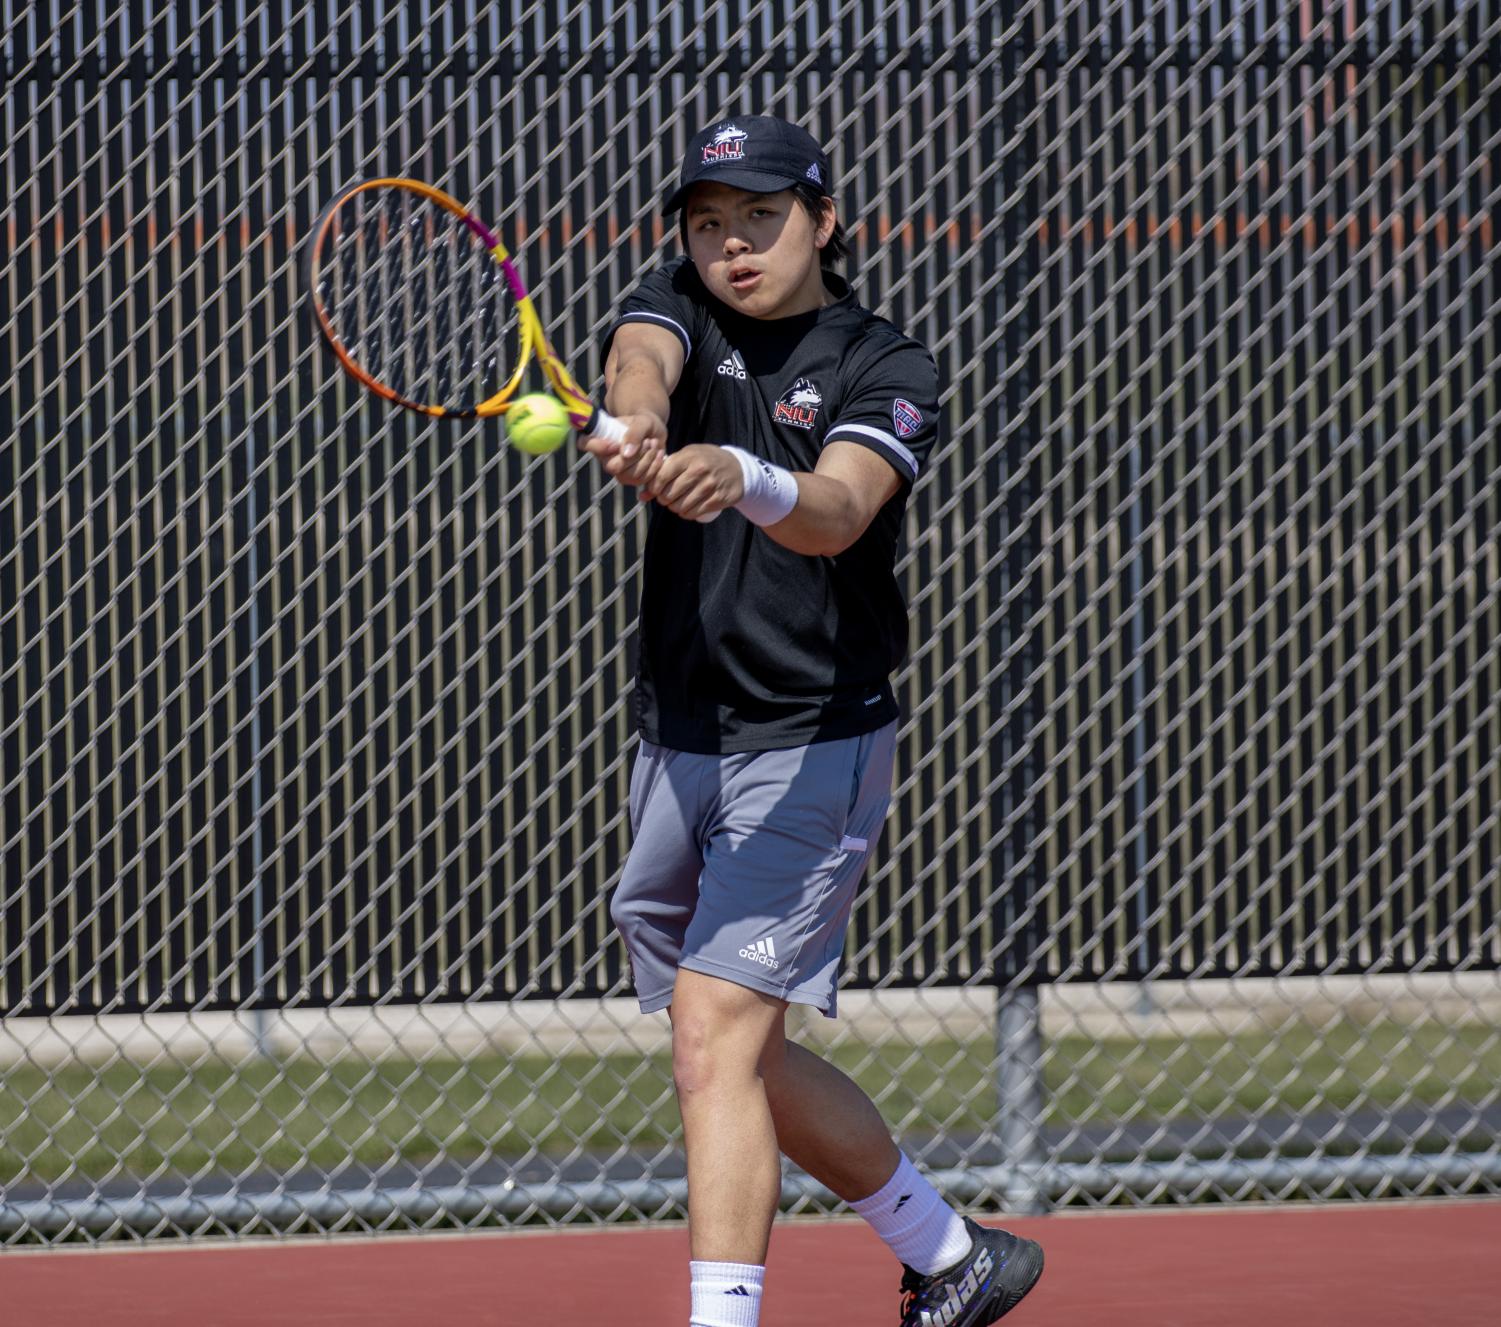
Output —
<point x="698" y="481"/>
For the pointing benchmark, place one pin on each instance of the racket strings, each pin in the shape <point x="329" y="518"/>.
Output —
<point x="417" y="301"/>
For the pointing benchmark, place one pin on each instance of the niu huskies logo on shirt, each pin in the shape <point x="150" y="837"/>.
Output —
<point x="728" y="144"/>
<point x="799" y="405"/>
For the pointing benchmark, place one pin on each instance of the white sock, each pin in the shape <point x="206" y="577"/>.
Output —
<point x="725" y="1294"/>
<point x="917" y="1225"/>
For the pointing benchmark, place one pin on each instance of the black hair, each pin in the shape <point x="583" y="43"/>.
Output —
<point x="811" y="197"/>
<point x="838" y="248"/>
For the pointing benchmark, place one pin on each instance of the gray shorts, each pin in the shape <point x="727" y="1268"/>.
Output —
<point x="745" y="866"/>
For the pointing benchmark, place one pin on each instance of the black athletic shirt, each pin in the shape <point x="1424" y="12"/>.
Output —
<point x="745" y="645"/>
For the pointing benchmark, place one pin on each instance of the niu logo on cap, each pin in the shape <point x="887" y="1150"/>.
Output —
<point x="799" y="405"/>
<point x="906" y="417"/>
<point x="728" y="144"/>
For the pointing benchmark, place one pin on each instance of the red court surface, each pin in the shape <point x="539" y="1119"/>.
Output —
<point x="1392" y="1265"/>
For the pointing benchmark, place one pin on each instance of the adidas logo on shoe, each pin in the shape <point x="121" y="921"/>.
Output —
<point x="763" y="952"/>
<point x="960" y="1297"/>
<point x="999" y="1272"/>
<point x="732" y="366"/>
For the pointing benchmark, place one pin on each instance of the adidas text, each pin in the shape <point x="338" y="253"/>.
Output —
<point x="763" y="952"/>
<point x="731" y="368"/>
<point x="961" y="1296"/>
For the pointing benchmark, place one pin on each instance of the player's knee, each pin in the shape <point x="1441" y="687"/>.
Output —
<point x="695" y="1065"/>
<point x="714" y="1042"/>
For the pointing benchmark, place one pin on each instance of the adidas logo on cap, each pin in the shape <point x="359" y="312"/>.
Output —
<point x="732" y="366"/>
<point x="763" y="952"/>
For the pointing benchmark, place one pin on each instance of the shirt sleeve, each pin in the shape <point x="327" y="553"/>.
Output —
<point x="892" y="408"/>
<point x="663" y="298"/>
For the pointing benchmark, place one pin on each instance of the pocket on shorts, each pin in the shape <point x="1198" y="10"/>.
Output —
<point x="869" y="789"/>
<point x="859" y="764"/>
<point x="642" y="771"/>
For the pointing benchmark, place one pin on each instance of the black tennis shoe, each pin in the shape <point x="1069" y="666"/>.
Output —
<point x="991" y="1280"/>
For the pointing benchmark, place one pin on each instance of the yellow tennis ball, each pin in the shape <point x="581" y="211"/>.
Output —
<point x="537" y="423"/>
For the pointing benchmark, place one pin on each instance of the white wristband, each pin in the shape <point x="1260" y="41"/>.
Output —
<point x="770" y="491"/>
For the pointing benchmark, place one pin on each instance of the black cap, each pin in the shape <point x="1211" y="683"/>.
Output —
<point x="756" y="152"/>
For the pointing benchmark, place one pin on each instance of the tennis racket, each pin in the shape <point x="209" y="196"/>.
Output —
<point x="422" y="304"/>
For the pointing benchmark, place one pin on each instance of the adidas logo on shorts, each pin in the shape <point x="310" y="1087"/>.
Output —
<point x="732" y="366"/>
<point x="762" y="952"/>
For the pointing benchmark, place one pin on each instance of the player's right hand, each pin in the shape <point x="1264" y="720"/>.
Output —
<point x="635" y="459"/>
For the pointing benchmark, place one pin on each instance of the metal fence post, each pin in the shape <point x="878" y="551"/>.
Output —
<point x="1019" y="310"/>
<point x="1019" y="1095"/>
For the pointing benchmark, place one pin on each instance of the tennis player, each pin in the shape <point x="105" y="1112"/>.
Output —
<point x="776" y="427"/>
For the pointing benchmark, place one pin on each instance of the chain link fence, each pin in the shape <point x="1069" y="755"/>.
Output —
<point x="313" y="722"/>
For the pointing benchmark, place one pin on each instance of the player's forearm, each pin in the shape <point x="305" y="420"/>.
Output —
<point x="637" y="387"/>
<point x="827" y="519"/>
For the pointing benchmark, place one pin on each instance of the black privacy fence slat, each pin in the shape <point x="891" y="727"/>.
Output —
<point x="307" y="702"/>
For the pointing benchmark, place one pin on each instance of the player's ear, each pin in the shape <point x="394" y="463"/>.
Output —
<point x="827" y="220"/>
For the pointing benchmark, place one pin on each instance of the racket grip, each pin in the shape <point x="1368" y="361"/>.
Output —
<point x="606" y="426"/>
<point x="602" y="425"/>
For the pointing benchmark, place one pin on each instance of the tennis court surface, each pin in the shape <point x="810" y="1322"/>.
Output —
<point x="1382" y="1265"/>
